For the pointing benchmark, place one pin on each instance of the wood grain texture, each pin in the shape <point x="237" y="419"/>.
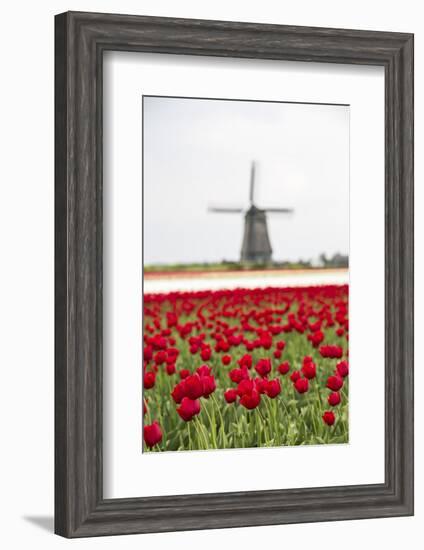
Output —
<point x="81" y="39"/>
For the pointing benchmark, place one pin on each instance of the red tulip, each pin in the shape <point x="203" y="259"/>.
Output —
<point x="188" y="408"/>
<point x="237" y="375"/>
<point x="309" y="370"/>
<point x="273" y="388"/>
<point x="284" y="367"/>
<point x="334" y="398"/>
<point x="178" y="392"/>
<point x="342" y="368"/>
<point x="184" y="373"/>
<point x="149" y="380"/>
<point x="314" y="327"/>
<point x="245" y="386"/>
<point x="206" y="354"/>
<point x="230" y="395"/>
<point x="245" y="361"/>
<point x="260" y="384"/>
<point x="265" y="340"/>
<point x="295" y="375"/>
<point x="334" y="383"/>
<point x="250" y="400"/>
<point x="222" y="345"/>
<point x="301" y="385"/>
<point x="208" y="385"/>
<point x="204" y="370"/>
<point x="281" y="345"/>
<point x="172" y="319"/>
<point x="152" y="434"/>
<point x="263" y="367"/>
<point x="160" y="357"/>
<point x="193" y="386"/>
<point x="329" y="418"/>
<point x="330" y="351"/>
<point x="170" y="368"/>
<point x="277" y="354"/>
<point x="316" y="338"/>
<point x="148" y="353"/>
<point x="226" y="359"/>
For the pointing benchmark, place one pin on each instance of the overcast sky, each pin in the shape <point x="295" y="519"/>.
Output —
<point x="199" y="152"/>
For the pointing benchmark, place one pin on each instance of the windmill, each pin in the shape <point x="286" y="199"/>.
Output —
<point x="256" y="246"/>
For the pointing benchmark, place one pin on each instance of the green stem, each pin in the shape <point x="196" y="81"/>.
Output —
<point x="222" y="426"/>
<point x="190" y="445"/>
<point x="212" y="426"/>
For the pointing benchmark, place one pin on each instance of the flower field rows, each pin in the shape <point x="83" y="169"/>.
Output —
<point x="245" y="368"/>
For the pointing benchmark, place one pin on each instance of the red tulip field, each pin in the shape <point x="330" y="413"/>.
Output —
<point x="245" y="368"/>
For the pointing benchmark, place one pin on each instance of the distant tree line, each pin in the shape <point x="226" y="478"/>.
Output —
<point x="336" y="261"/>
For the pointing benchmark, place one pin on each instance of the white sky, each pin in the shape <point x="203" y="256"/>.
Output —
<point x="199" y="152"/>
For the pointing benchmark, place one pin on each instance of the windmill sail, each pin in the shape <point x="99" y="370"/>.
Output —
<point x="252" y="184"/>
<point x="279" y="210"/>
<point x="227" y="209"/>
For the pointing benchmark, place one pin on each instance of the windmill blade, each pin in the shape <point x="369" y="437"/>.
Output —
<point x="226" y="209"/>
<point x="252" y="184"/>
<point x="279" y="210"/>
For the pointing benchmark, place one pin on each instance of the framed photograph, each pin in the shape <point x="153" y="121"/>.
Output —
<point x="234" y="274"/>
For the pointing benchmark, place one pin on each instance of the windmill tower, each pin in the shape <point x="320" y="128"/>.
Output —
<point x="256" y="246"/>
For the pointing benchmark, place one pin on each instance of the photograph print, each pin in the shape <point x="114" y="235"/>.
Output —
<point x="245" y="274"/>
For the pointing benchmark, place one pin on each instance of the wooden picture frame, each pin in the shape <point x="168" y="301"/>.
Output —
<point x="81" y="39"/>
